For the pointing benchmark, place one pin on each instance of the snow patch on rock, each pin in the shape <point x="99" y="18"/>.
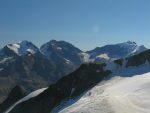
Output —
<point x="23" y="48"/>
<point x="5" y="59"/>
<point x="67" y="61"/>
<point x="85" y="57"/>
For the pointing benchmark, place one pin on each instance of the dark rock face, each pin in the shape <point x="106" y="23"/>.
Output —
<point x="16" y="94"/>
<point x="7" y="52"/>
<point x="69" y="86"/>
<point x="63" y="54"/>
<point x="119" y="62"/>
<point x="29" y="71"/>
<point x="138" y="59"/>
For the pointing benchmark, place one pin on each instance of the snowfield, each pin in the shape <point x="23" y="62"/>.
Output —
<point x="118" y="95"/>
<point x="130" y="95"/>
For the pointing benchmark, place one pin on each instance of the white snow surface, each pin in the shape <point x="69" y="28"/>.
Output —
<point x="23" y="47"/>
<point x="103" y="56"/>
<point x="67" y="61"/>
<point x="31" y="95"/>
<point x="1" y="69"/>
<point x="85" y="57"/>
<point x="5" y="59"/>
<point x="59" y="48"/>
<point x="118" y="95"/>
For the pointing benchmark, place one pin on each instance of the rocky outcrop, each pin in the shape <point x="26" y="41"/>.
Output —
<point x="16" y="94"/>
<point x="69" y="86"/>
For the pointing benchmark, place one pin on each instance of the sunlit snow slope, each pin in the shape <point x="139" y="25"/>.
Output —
<point x="118" y="95"/>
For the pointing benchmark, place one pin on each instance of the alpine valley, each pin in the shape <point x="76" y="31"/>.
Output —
<point x="60" y="78"/>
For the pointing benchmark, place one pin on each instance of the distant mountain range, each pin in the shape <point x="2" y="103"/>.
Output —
<point x="69" y="53"/>
<point x="26" y="65"/>
<point x="31" y="68"/>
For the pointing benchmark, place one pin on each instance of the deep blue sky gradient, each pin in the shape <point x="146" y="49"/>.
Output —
<point x="84" y="23"/>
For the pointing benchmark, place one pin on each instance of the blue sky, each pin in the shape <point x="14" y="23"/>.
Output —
<point x="84" y="23"/>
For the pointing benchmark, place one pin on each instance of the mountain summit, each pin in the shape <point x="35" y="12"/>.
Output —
<point x="116" y="51"/>
<point x="61" y="49"/>
<point x="62" y="53"/>
<point x="19" y="49"/>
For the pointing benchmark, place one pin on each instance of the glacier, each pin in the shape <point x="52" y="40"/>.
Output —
<point x="118" y="95"/>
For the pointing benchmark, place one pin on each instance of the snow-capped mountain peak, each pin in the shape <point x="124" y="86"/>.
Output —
<point x="20" y="48"/>
<point x="57" y="46"/>
<point x="116" y="51"/>
<point x="130" y="42"/>
<point x="132" y="48"/>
